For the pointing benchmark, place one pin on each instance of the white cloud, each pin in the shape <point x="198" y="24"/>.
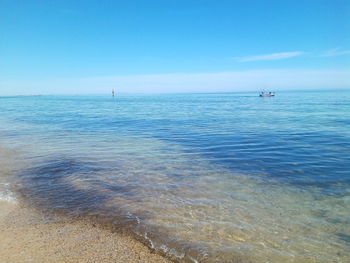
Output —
<point x="249" y="80"/>
<point x="273" y="56"/>
<point x="335" y="52"/>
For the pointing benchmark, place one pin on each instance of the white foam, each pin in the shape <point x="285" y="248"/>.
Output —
<point x="150" y="241"/>
<point x="172" y="252"/>
<point x="6" y="195"/>
<point x="7" y="198"/>
<point x="194" y="260"/>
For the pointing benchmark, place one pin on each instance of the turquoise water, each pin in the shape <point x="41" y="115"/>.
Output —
<point x="200" y="177"/>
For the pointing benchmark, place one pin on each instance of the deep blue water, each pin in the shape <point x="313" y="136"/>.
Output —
<point x="290" y="150"/>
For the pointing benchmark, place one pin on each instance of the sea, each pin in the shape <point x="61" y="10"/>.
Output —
<point x="197" y="177"/>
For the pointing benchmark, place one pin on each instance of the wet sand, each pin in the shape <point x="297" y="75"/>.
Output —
<point x="28" y="235"/>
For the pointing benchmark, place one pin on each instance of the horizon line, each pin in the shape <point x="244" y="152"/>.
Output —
<point x="180" y="92"/>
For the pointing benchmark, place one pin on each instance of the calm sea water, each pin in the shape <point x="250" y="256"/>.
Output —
<point x="201" y="177"/>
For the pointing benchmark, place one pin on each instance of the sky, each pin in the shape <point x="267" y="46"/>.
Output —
<point x="83" y="47"/>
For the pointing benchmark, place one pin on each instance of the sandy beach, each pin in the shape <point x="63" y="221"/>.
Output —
<point x="27" y="235"/>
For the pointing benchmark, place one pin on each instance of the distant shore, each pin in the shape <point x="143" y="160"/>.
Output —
<point x="28" y="235"/>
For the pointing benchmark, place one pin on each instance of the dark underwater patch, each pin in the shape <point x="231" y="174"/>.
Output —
<point x="344" y="237"/>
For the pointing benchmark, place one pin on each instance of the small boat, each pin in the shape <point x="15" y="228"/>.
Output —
<point x="267" y="94"/>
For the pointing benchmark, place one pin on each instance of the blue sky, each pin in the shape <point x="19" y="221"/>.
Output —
<point x="52" y="47"/>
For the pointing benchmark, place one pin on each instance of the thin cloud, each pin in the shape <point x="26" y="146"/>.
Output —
<point x="335" y="52"/>
<point x="273" y="56"/>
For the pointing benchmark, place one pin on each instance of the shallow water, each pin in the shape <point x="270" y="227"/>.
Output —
<point x="207" y="177"/>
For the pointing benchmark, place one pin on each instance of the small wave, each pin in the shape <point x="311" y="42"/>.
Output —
<point x="8" y="197"/>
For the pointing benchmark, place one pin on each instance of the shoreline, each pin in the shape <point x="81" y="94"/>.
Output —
<point x="28" y="235"/>
<point x="31" y="234"/>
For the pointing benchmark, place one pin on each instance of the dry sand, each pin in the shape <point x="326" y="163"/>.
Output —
<point x="27" y="235"/>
